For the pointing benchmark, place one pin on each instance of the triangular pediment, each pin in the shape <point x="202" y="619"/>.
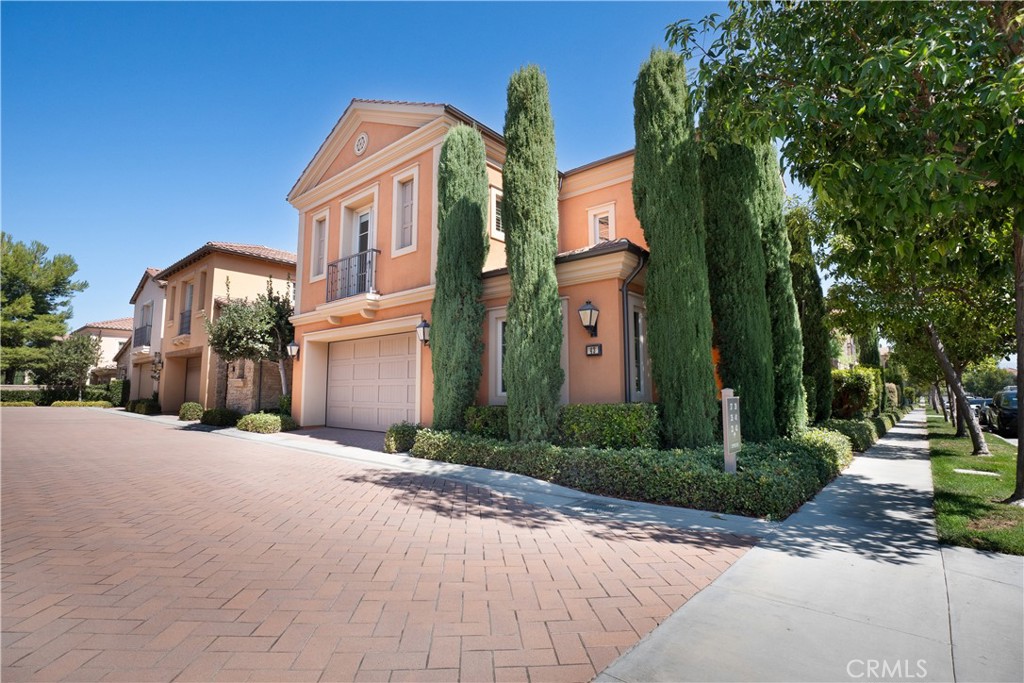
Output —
<point x="365" y="128"/>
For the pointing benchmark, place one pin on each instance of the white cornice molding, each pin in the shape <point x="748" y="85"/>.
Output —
<point x="376" y="329"/>
<point x="617" y="265"/>
<point x="365" y="305"/>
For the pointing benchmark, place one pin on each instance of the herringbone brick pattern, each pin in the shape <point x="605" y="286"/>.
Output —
<point x="137" y="552"/>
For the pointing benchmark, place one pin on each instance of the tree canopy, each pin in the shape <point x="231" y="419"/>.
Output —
<point x="35" y="302"/>
<point x="67" y="362"/>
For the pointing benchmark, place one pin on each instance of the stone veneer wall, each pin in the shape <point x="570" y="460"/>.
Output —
<point x="251" y="387"/>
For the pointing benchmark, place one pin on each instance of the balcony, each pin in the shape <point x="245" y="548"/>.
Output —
<point x="185" y="322"/>
<point x="352" y="275"/>
<point x="142" y="336"/>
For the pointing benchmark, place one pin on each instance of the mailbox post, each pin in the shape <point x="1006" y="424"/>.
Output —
<point x="731" y="428"/>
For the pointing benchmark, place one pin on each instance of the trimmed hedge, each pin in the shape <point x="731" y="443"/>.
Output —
<point x="862" y="433"/>
<point x="487" y="421"/>
<point x="220" y="417"/>
<point x="35" y="397"/>
<point x="609" y="425"/>
<point x="856" y="392"/>
<point x="266" y="423"/>
<point x="773" y="479"/>
<point x="400" y="438"/>
<point x="190" y="411"/>
<point x="143" y="406"/>
<point x="82" y="404"/>
<point x="119" y="389"/>
<point x="17" y="404"/>
<point x="603" y="425"/>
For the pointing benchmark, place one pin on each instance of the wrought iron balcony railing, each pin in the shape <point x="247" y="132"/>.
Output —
<point x="143" y="336"/>
<point x="352" y="275"/>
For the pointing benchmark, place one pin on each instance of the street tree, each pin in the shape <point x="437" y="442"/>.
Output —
<point x="35" y="303"/>
<point x="532" y="368"/>
<point x="905" y="117"/>
<point x="457" y="314"/>
<point x="256" y="330"/>
<point x="667" y="201"/>
<point x="67" y="362"/>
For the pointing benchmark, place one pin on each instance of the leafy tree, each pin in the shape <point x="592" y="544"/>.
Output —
<point x="867" y="348"/>
<point x="667" y="200"/>
<point x="257" y="331"/>
<point x="985" y="378"/>
<point x="35" y="296"/>
<point x="903" y="116"/>
<point x="736" y="269"/>
<point x="457" y="313"/>
<point x="817" y="339"/>
<point x="532" y="366"/>
<point x="67" y="362"/>
<point x="787" y="340"/>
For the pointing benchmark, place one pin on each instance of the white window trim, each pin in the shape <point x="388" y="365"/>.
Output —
<point x="495" y="316"/>
<point x="351" y="207"/>
<point x="325" y="216"/>
<point x="492" y="214"/>
<point x="593" y="213"/>
<point x="412" y="173"/>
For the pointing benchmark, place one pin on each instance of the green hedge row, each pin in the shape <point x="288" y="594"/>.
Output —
<point x="864" y="433"/>
<point x="400" y="437"/>
<point x="143" y="406"/>
<point x="47" y="395"/>
<point x="773" y="479"/>
<point x="82" y="404"/>
<point x="220" y="417"/>
<point x="602" y="425"/>
<point x="17" y="404"/>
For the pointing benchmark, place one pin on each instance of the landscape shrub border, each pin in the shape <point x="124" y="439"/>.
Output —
<point x="596" y="425"/>
<point x="82" y="404"/>
<point x="220" y="417"/>
<point x="143" y="406"/>
<point x="400" y="437"/>
<point x="190" y="411"/>
<point x="773" y="478"/>
<point x="266" y="423"/>
<point x="863" y="434"/>
<point x="17" y="404"/>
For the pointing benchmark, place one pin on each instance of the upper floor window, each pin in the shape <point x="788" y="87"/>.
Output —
<point x="601" y="220"/>
<point x="497" y="229"/>
<point x="318" y="259"/>
<point x="405" y="210"/>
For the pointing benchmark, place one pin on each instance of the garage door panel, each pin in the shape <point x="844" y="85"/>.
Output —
<point x="372" y="382"/>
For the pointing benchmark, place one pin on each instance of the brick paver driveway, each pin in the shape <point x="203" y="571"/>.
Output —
<point x="137" y="551"/>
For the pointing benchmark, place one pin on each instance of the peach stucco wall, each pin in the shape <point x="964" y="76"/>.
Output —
<point x="380" y="136"/>
<point x="248" y="278"/>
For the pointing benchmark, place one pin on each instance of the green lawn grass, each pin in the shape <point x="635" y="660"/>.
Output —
<point x="967" y="508"/>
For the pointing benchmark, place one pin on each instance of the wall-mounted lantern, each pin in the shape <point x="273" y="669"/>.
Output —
<point x="423" y="332"/>
<point x="588" y="316"/>
<point x="293" y="350"/>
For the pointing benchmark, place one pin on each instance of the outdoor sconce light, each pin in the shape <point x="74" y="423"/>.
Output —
<point x="588" y="316"/>
<point x="293" y="350"/>
<point x="423" y="332"/>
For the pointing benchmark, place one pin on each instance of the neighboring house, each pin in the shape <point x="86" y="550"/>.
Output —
<point x="367" y="248"/>
<point x="191" y="370"/>
<point x="123" y="361"/>
<point x="847" y="352"/>
<point x="112" y="335"/>
<point x="148" y="300"/>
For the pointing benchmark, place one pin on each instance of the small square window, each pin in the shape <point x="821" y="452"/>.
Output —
<point x="601" y="223"/>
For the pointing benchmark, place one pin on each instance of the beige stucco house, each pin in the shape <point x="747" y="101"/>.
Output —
<point x="112" y="335"/>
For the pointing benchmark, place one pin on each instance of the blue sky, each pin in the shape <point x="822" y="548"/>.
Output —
<point x="135" y="132"/>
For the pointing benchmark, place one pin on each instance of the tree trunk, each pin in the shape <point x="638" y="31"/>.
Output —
<point x="284" y="379"/>
<point x="961" y="429"/>
<point x="953" y="382"/>
<point x="951" y="401"/>
<point x="940" y="406"/>
<point x="1017" y="497"/>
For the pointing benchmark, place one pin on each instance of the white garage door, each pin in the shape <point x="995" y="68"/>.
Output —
<point x="371" y="383"/>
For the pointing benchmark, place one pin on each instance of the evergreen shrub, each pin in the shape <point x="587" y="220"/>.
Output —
<point x="119" y="389"/>
<point x="400" y="437"/>
<point x="862" y="433"/>
<point x="488" y="421"/>
<point x="612" y="425"/>
<point x="220" y="417"/>
<point x="856" y="392"/>
<point x="190" y="411"/>
<point x="82" y="404"/>
<point x="17" y="404"/>
<point x="35" y="397"/>
<point x="260" y="423"/>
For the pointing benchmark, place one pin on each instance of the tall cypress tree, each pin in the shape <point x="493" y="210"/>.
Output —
<point x="736" y="269"/>
<point x="533" y="339"/>
<point x="667" y="200"/>
<point x="457" y="313"/>
<point x="811" y="306"/>
<point x="787" y="342"/>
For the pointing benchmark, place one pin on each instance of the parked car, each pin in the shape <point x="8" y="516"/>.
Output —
<point x="978" y="405"/>
<point x="1003" y="413"/>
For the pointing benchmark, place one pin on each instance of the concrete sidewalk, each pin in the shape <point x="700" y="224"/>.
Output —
<point x="852" y="587"/>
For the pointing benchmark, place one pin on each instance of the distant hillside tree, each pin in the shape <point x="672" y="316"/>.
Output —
<point x="787" y="341"/>
<point x="457" y="315"/>
<point x="35" y="303"/>
<point x="736" y="270"/>
<point x="667" y="200"/>
<point x="810" y="301"/>
<point x="532" y="365"/>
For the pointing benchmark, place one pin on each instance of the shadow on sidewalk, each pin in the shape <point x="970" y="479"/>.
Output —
<point x="888" y="523"/>
<point x="457" y="500"/>
<point x="901" y="443"/>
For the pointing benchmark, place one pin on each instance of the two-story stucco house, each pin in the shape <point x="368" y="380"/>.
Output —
<point x="193" y="286"/>
<point x="148" y="300"/>
<point x="112" y="335"/>
<point x="367" y="250"/>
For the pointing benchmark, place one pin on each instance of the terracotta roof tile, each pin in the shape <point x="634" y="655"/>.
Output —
<point x="115" y="324"/>
<point x="257" y="251"/>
